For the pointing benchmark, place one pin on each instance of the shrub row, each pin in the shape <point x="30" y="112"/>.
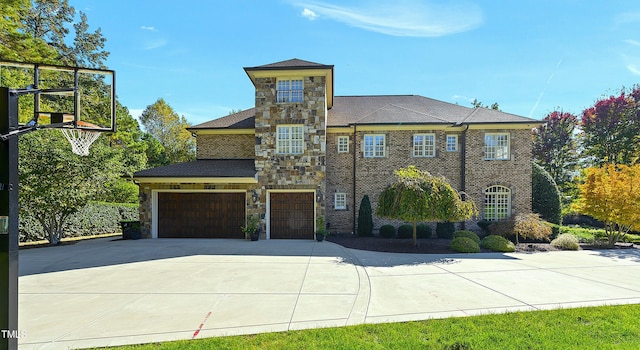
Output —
<point x="94" y="218"/>
<point x="405" y="231"/>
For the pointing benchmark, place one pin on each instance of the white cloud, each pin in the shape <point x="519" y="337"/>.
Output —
<point x="309" y="14"/>
<point x="151" y="28"/>
<point x="403" y="18"/>
<point x="634" y="69"/>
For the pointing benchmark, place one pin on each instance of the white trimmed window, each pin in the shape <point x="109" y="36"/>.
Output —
<point x="424" y="145"/>
<point x="373" y="146"/>
<point x="289" y="139"/>
<point x="497" y="203"/>
<point x="340" y="201"/>
<point x="496" y="146"/>
<point x="289" y="90"/>
<point x="343" y="144"/>
<point x="452" y="143"/>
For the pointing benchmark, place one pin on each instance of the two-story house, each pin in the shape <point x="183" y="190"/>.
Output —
<point x="302" y="153"/>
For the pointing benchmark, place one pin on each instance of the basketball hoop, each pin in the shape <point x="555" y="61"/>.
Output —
<point x="81" y="139"/>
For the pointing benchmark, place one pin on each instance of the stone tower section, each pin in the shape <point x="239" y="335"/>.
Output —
<point x="278" y="116"/>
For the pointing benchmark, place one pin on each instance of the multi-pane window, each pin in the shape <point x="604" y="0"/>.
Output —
<point x="340" y="201"/>
<point x="452" y="143"/>
<point x="343" y="144"/>
<point x="424" y="145"/>
<point x="289" y="90"/>
<point x="373" y="146"/>
<point x="496" y="146"/>
<point x="289" y="139"/>
<point x="497" y="203"/>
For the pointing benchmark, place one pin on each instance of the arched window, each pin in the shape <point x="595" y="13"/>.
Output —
<point x="497" y="203"/>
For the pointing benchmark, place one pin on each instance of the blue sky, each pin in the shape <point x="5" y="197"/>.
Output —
<point x="531" y="57"/>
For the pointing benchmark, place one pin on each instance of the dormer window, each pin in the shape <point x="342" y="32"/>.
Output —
<point x="289" y="90"/>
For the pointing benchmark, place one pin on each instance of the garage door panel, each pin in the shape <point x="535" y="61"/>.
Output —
<point x="200" y="215"/>
<point x="292" y="215"/>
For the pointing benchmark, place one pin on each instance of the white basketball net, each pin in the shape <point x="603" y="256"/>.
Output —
<point x="80" y="140"/>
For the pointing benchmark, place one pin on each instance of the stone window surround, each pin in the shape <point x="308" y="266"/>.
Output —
<point x="343" y="144"/>
<point x="497" y="202"/>
<point x="425" y="149"/>
<point x="290" y="144"/>
<point x="452" y="143"/>
<point x="373" y="149"/>
<point x="500" y="148"/>
<point x="289" y="90"/>
<point x="340" y="201"/>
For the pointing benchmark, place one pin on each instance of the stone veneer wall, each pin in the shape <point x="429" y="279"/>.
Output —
<point x="284" y="171"/>
<point x="146" y="198"/>
<point x="214" y="146"/>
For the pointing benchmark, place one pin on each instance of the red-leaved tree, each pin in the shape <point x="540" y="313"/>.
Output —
<point x="554" y="146"/>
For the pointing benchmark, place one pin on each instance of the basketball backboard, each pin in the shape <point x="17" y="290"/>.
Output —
<point x="62" y="97"/>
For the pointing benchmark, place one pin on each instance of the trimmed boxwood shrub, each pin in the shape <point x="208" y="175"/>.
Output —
<point x="566" y="241"/>
<point x="406" y="231"/>
<point x="423" y="231"/>
<point x="445" y="229"/>
<point x="464" y="245"/>
<point x="468" y="234"/>
<point x="387" y="231"/>
<point x="498" y="244"/>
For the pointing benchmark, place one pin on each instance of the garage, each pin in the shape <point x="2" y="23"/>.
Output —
<point x="201" y="214"/>
<point x="291" y="215"/>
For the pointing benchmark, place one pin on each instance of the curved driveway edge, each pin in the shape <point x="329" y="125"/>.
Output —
<point x="112" y="292"/>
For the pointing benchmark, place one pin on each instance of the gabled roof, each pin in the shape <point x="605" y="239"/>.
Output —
<point x="203" y="168"/>
<point x="293" y="63"/>
<point x="384" y="110"/>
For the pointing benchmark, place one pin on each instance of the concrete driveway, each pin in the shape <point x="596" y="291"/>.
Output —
<point x="113" y="292"/>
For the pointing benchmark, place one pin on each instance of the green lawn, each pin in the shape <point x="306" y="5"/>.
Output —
<point x="584" y="328"/>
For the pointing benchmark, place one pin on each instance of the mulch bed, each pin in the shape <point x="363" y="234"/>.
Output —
<point x="434" y="245"/>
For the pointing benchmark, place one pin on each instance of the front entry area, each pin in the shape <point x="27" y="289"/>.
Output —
<point x="201" y="214"/>
<point x="291" y="215"/>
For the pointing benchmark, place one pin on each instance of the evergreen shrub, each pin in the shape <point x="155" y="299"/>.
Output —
<point x="464" y="245"/>
<point x="406" y="231"/>
<point x="566" y="241"/>
<point x="468" y="234"/>
<point x="498" y="244"/>
<point x="423" y="231"/>
<point x="387" y="231"/>
<point x="365" y="218"/>
<point x="445" y="229"/>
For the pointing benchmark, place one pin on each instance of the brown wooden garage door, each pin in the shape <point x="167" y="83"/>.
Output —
<point x="200" y="215"/>
<point x="291" y="215"/>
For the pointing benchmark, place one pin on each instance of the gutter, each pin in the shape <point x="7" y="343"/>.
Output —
<point x="355" y="154"/>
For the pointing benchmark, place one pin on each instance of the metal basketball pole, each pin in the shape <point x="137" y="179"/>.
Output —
<point x="9" y="332"/>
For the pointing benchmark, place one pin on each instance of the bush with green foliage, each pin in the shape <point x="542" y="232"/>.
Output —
<point x="484" y="225"/>
<point x="464" y="245"/>
<point x="423" y="231"/>
<point x="468" y="234"/>
<point x="445" y="229"/>
<point x="566" y="241"/>
<point x="498" y="244"/>
<point x="405" y="231"/>
<point x="365" y="218"/>
<point x="545" y="199"/>
<point x="527" y="226"/>
<point x="92" y="219"/>
<point x="387" y="231"/>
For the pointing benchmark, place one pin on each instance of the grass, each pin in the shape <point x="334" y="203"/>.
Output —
<point x="604" y="327"/>
<point x="589" y="234"/>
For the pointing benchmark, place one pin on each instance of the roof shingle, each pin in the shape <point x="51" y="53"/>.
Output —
<point x="203" y="168"/>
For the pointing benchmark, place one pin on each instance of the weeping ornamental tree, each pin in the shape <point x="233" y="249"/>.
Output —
<point x="417" y="196"/>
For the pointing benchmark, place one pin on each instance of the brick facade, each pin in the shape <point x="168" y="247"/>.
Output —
<point x="225" y="146"/>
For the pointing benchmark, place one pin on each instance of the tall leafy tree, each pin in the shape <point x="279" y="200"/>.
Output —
<point x="611" y="194"/>
<point x="555" y="148"/>
<point x="417" y="196"/>
<point x="170" y="129"/>
<point x="16" y="44"/>
<point x="611" y="130"/>
<point x="55" y="183"/>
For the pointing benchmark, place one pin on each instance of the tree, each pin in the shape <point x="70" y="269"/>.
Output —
<point x="545" y="199"/>
<point x="365" y="218"/>
<point x="477" y="104"/>
<point x="611" y="129"/>
<point x="170" y="130"/>
<point x="55" y="183"/>
<point x="416" y="195"/>
<point x="611" y="194"/>
<point x="555" y="148"/>
<point x="15" y="43"/>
